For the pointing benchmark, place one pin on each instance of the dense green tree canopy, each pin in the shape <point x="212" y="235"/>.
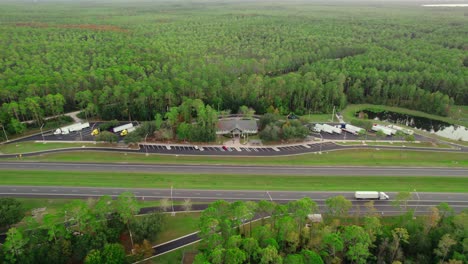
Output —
<point x="132" y="62"/>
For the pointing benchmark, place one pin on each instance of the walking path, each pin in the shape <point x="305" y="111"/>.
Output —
<point x="73" y="115"/>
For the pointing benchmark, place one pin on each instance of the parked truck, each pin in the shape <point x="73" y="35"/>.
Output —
<point x="122" y="127"/>
<point x="327" y="128"/>
<point x="71" y="128"/>
<point x="386" y="130"/>
<point x="404" y="130"/>
<point x="360" y="195"/>
<point x="126" y="131"/>
<point x="352" y="129"/>
<point x="333" y="129"/>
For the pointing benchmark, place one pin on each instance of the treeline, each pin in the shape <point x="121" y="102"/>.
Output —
<point x="288" y="237"/>
<point x="192" y="120"/>
<point x="91" y="232"/>
<point x="272" y="128"/>
<point x="133" y="63"/>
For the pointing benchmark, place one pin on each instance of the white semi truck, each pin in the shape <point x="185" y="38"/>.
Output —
<point x="71" y="128"/>
<point x="352" y="129"/>
<point x="360" y="195"/>
<point x="327" y="128"/>
<point x="386" y="130"/>
<point x="404" y="130"/>
<point x="122" y="127"/>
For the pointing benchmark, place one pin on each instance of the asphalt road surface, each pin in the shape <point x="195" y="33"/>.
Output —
<point x="457" y="199"/>
<point x="232" y="169"/>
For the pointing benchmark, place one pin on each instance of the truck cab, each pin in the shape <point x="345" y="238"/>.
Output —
<point x="383" y="196"/>
<point x="95" y="132"/>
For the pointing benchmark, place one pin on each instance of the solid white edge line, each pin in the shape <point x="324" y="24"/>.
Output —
<point x="143" y="260"/>
<point x="175" y="239"/>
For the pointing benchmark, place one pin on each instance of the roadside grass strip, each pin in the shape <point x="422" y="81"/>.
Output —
<point x="233" y="182"/>
<point x="349" y="157"/>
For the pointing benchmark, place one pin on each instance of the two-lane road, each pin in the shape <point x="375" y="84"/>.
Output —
<point x="233" y="169"/>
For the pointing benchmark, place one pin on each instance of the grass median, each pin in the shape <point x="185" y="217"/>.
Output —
<point x="233" y="182"/>
<point x="25" y="147"/>
<point x="349" y="157"/>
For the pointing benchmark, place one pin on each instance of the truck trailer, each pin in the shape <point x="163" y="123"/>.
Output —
<point x="352" y="129"/>
<point x="333" y="129"/>
<point x="327" y="128"/>
<point x="122" y="127"/>
<point x="387" y="131"/>
<point x="404" y="130"/>
<point x="360" y="195"/>
<point x="71" y="128"/>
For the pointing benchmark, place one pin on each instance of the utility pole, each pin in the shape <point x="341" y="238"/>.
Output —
<point x="418" y="201"/>
<point x="321" y="140"/>
<point x="172" y="202"/>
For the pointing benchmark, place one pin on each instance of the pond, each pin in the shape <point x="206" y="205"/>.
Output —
<point x="437" y="127"/>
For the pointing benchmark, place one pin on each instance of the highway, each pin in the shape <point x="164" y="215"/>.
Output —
<point x="424" y="199"/>
<point x="234" y="169"/>
<point x="419" y="202"/>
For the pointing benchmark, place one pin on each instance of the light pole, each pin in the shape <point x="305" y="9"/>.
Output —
<point x="4" y="132"/>
<point x="321" y="140"/>
<point x="42" y="133"/>
<point x="172" y="203"/>
<point x="146" y="145"/>
<point x="418" y="200"/>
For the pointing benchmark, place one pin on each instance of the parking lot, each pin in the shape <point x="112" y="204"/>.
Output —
<point x="85" y="135"/>
<point x="239" y="151"/>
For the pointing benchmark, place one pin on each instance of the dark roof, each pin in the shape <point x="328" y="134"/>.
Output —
<point x="242" y="125"/>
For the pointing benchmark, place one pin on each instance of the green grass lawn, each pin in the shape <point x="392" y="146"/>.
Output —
<point x="459" y="112"/>
<point x="176" y="226"/>
<point x="398" y="144"/>
<point x="24" y="147"/>
<point x="51" y="205"/>
<point x="233" y="182"/>
<point x="364" y="157"/>
<point x="318" y="118"/>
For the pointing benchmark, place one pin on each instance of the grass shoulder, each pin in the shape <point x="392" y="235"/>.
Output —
<point x="234" y="182"/>
<point x="397" y="144"/>
<point x="31" y="146"/>
<point x="349" y="157"/>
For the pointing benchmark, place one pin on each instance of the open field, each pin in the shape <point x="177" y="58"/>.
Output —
<point x="233" y="182"/>
<point x="363" y="157"/>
